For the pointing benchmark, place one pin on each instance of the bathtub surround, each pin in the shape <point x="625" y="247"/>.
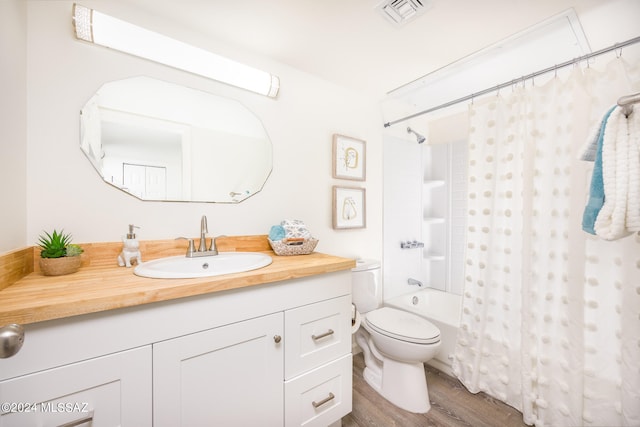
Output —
<point x="549" y="312"/>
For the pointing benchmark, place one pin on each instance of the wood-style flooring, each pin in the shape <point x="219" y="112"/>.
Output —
<point x="451" y="405"/>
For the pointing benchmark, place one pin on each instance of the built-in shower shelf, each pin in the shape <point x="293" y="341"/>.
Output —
<point x="434" y="220"/>
<point x="433" y="183"/>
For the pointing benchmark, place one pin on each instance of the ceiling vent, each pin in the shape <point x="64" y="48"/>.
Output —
<point x="399" y="12"/>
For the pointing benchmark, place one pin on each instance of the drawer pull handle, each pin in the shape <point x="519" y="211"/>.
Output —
<point x="323" y="401"/>
<point x="326" y="334"/>
<point x="79" y="421"/>
<point x="277" y="338"/>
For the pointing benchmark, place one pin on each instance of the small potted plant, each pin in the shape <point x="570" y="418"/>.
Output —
<point x="58" y="255"/>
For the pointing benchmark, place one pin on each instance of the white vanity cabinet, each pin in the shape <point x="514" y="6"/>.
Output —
<point x="234" y="374"/>
<point x="103" y="392"/>
<point x="225" y="376"/>
<point x="277" y="354"/>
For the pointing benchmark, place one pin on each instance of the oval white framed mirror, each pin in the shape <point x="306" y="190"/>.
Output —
<point x="162" y="141"/>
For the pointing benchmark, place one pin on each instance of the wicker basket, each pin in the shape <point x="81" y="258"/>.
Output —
<point x="282" y="247"/>
<point x="60" y="266"/>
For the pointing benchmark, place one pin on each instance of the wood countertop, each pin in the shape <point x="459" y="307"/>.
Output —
<point x="100" y="286"/>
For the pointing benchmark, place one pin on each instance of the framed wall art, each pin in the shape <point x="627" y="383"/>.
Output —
<point x="349" y="158"/>
<point x="349" y="207"/>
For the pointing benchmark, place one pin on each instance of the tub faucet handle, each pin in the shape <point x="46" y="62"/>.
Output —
<point x="414" y="282"/>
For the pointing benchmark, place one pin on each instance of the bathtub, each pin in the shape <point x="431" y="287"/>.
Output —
<point x="443" y="310"/>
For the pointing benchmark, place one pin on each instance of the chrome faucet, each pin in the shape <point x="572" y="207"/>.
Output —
<point x="202" y="247"/>
<point x="414" y="282"/>
<point x="203" y="234"/>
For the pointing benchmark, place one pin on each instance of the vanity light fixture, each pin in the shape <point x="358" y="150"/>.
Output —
<point x="98" y="28"/>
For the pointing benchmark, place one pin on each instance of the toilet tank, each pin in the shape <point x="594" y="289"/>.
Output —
<point x="366" y="285"/>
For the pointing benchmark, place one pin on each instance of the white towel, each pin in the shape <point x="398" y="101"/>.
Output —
<point x="588" y="150"/>
<point x="633" y="200"/>
<point x="620" y="213"/>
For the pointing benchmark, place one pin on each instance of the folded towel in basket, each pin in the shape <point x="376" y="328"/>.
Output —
<point x="277" y="233"/>
<point x="294" y="228"/>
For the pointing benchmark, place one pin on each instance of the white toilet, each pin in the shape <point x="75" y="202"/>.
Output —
<point x="395" y="343"/>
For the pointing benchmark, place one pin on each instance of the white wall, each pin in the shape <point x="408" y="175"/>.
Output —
<point x="66" y="192"/>
<point x="47" y="182"/>
<point x="13" y="124"/>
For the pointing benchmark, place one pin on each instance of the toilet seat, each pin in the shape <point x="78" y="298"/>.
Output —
<point x="402" y="326"/>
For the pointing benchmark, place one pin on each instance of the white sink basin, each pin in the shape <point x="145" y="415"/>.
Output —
<point x="181" y="267"/>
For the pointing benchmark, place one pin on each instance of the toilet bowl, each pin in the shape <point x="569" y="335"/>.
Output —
<point x="395" y="344"/>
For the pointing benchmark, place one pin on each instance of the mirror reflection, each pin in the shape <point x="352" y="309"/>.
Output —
<point x="161" y="141"/>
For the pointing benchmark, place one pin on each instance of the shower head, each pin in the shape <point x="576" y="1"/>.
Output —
<point x="419" y="137"/>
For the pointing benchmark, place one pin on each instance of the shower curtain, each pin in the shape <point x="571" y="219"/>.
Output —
<point x="551" y="314"/>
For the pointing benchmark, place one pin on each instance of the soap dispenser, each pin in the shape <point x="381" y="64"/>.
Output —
<point x="130" y="249"/>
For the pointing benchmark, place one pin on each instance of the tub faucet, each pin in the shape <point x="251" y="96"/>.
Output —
<point x="414" y="282"/>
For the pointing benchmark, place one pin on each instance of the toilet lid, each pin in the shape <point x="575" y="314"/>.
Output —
<point x="403" y="326"/>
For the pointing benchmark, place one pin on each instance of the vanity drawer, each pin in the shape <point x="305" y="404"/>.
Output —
<point x="316" y="334"/>
<point x="319" y="397"/>
<point x="112" y="390"/>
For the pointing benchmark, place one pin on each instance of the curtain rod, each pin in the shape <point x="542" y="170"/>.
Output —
<point x="515" y="81"/>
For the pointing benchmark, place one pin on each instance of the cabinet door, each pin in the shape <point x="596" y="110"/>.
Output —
<point x="227" y="376"/>
<point x="107" y="391"/>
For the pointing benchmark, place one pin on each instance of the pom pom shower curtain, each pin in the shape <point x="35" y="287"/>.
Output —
<point x="551" y="315"/>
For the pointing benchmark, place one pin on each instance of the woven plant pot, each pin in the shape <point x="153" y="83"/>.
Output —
<point x="60" y="266"/>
